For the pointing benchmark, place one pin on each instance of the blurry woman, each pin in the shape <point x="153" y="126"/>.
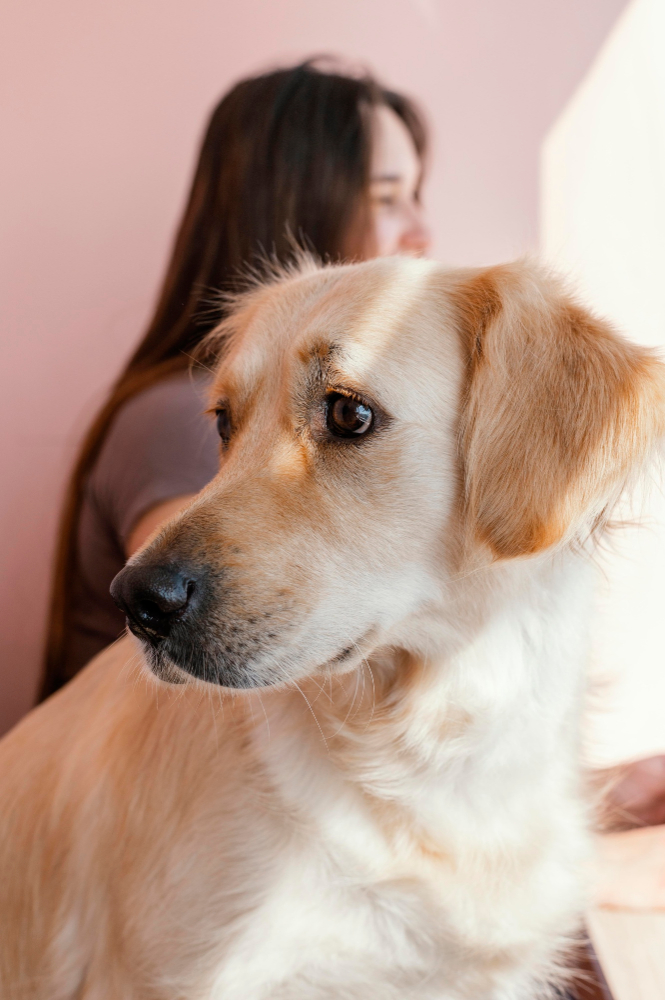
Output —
<point x="300" y="156"/>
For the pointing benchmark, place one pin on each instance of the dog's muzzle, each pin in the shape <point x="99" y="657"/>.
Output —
<point x="180" y="612"/>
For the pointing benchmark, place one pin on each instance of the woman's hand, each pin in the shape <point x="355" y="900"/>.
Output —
<point x="634" y="794"/>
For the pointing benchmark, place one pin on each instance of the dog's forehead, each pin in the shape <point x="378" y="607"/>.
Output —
<point x="364" y="311"/>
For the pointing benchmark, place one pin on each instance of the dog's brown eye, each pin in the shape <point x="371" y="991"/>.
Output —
<point x="223" y="424"/>
<point x="348" y="417"/>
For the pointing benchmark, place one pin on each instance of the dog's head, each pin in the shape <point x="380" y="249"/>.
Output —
<point x="380" y="424"/>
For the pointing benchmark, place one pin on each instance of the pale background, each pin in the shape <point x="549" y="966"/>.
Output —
<point x="603" y="223"/>
<point x="103" y="104"/>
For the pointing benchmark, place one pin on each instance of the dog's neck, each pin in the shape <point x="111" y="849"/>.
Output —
<point x="421" y="739"/>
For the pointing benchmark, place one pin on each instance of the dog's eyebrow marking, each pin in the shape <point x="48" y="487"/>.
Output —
<point x="321" y="350"/>
<point x="289" y="459"/>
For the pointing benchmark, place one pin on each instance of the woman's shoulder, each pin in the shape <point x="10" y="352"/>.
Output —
<point x="179" y="396"/>
<point x="160" y="445"/>
<point x="166" y="416"/>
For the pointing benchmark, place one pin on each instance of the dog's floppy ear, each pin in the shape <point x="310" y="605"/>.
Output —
<point x="558" y="411"/>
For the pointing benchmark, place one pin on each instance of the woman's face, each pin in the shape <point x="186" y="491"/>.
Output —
<point x="397" y="218"/>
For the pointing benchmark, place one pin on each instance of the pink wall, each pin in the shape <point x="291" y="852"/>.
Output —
<point x="103" y="106"/>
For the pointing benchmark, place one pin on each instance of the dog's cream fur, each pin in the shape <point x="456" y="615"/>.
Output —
<point x="400" y="815"/>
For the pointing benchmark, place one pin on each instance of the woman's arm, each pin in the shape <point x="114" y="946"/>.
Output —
<point x="159" y="452"/>
<point x="153" y="519"/>
<point x="630" y="869"/>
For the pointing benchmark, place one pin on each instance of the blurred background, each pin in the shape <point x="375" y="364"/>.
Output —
<point x="103" y="106"/>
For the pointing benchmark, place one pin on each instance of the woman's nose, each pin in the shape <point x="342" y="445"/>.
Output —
<point x="416" y="237"/>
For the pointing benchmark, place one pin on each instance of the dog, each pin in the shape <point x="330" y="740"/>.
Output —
<point x="339" y="755"/>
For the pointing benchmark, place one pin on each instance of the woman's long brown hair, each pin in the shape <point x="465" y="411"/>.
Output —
<point x="284" y="162"/>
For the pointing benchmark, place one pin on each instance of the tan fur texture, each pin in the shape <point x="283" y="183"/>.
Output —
<point x="357" y="776"/>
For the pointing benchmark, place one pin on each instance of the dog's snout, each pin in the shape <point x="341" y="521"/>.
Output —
<point x="154" y="596"/>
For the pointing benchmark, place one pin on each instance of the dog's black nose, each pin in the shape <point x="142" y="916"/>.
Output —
<point x="154" y="597"/>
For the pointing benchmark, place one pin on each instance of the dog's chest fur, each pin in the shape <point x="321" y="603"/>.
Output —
<point x="389" y="884"/>
<point x="338" y="922"/>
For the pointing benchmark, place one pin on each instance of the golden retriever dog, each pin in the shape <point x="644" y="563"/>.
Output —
<point x="339" y="757"/>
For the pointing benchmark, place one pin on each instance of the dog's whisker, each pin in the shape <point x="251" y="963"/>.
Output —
<point x="350" y="708"/>
<point x="307" y="702"/>
<point x="366" y="664"/>
<point x="251" y="711"/>
<point x="210" y="695"/>
<point x="371" y="676"/>
<point x="198" y="363"/>
<point x="264" y="712"/>
<point x="319" y="686"/>
<point x="361" y="671"/>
